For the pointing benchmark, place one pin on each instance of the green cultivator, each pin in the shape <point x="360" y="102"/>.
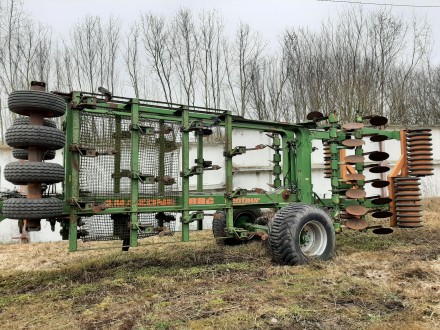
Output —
<point x="127" y="171"/>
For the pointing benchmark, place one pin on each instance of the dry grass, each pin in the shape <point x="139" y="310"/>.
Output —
<point x="374" y="282"/>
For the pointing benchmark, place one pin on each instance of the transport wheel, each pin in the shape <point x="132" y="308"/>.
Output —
<point x="46" y="104"/>
<point x="24" y="154"/>
<point x="23" y="208"/>
<point x="33" y="172"/>
<point x="24" y="136"/>
<point x="300" y="233"/>
<point x="27" y="121"/>
<point x="240" y="216"/>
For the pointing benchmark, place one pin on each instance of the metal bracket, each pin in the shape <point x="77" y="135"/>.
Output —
<point x="195" y="170"/>
<point x="145" y="130"/>
<point x="86" y="102"/>
<point x="81" y="204"/>
<point x="234" y="152"/>
<point x="90" y="151"/>
<point x="195" y="216"/>
<point x="83" y="151"/>
<point x="237" y="193"/>
<point x="193" y="126"/>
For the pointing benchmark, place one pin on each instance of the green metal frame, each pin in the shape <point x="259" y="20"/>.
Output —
<point x="292" y="169"/>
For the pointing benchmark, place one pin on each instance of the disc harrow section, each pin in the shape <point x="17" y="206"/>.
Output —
<point x="356" y="204"/>
<point x="408" y="202"/>
<point x="420" y="161"/>
<point x="35" y="139"/>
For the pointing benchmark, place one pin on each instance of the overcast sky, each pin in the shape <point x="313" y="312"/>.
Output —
<point x="269" y="17"/>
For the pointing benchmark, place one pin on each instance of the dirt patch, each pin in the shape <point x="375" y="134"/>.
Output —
<point x="375" y="282"/>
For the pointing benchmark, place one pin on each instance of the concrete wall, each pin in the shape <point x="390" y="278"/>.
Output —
<point x="253" y="170"/>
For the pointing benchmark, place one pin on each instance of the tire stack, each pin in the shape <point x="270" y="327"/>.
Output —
<point x="408" y="202"/>
<point x="420" y="162"/>
<point x="34" y="139"/>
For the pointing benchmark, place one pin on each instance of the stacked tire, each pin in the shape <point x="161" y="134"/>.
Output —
<point x="42" y="140"/>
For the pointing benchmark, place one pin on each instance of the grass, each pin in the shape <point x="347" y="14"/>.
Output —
<point x="374" y="282"/>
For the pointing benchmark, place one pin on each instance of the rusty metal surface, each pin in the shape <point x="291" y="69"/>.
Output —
<point x="356" y="224"/>
<point x="355" y="177"/>
<point x="353" y="142"/>
<point x="356" y="209"/>
<point x="351" y="126"/>
<point x="354" y="159"/>
<point x="355" y="193"/>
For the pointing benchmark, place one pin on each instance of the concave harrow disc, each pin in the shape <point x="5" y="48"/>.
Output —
<point x="356" y="209"/>
<point x="354" y="159"/>
<point x="351" y="126"/>
<point x="356" y="224"/>
<point x="378" y="120"/>
<point x="378" y="138"/>
<point x="355" y="193"/>
<point x="353" y="142"/>
<point x="381" y="214"/>
<point x="382" y="231"/>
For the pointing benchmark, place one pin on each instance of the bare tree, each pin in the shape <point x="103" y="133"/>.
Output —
<point x="210" y="59"/>
<point x="185" y="52"/>
<point x="155" y="37"/>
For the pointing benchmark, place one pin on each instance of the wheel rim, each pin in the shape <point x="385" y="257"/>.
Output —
<point x="244" y="217"/>
<point x="313" y="238"/>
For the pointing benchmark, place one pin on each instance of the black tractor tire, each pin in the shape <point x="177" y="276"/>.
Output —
<point x="27" y="102"/>
<point x="27" y="121"/>
<point x="219" y="225"/>
<point x="24" y="136"/>
<point x="23" y="208"/>
<point x="300" y="233"/>
<point x="33" y="172"/>
<point x="219" y="230"/>
<point x="24" y="154"/>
